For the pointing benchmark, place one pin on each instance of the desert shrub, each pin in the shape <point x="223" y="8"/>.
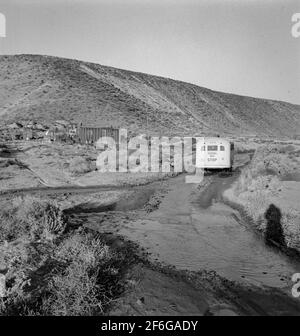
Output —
<point x="14" y="259"/>
<point x="80" y="165"/>
<point x="80" y="289"/>
<point x="84" y="248"/>
<point x="77" y="276"/>
<point x="10" y="227"/>
<point x="272" y="159"/>
<point x="44" y="218"/>
<point x="290" y="223"/>
<point x="15" y="301"/>
<point x="32" y="218"/>
<point x="74" y="292"/>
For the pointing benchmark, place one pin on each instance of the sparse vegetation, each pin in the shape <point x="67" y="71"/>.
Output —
<point x="80" y="165"/>
<point x="80" y="288"/>
<point x="49" y="88"/>
<point x="31" y="218"/>
<point x="75" y="274"/>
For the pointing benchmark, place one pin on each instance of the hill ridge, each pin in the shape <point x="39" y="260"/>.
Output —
<point x="46" y="88"/>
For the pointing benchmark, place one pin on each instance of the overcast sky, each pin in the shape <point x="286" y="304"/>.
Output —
<point x="242" y="47"/>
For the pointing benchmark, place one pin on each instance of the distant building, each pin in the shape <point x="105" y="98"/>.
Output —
<point x="90" y="135"/>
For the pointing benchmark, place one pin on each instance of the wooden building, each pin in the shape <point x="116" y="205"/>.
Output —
<point x="90" y="135"/>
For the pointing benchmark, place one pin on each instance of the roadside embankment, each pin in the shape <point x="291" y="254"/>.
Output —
<point x="268" y="189"/>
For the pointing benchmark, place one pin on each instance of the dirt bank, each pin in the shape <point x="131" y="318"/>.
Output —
<point x="269" y="192"/>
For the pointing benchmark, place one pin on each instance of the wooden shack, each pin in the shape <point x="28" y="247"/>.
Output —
<point x="90" y="135"/>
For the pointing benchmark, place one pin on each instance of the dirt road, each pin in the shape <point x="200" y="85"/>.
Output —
<point x="193" y="229"/>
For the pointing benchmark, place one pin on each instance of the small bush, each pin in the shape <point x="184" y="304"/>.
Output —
<point x="31" y="218"/>
<point x="80" y="165"/>
<point x="14" y="257"/>
<point x="74" y="292"/>
<point x="77" y="276"/>
<point x="10" y="227"/>
<point x="80" y="289"/>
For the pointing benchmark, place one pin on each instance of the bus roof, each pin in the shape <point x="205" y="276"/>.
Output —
<point x="215" y="140"/>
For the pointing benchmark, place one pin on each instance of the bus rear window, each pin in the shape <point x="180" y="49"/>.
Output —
<point x="222" y="148"/>
<point x="212" y="148"/>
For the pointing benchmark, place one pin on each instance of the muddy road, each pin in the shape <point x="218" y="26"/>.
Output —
<point x="194" y="229"/>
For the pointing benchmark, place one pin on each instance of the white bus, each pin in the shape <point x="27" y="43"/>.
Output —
<point x="215" y="153"/>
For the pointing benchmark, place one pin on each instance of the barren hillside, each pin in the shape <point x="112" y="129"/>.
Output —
<point x="48" y="88"/>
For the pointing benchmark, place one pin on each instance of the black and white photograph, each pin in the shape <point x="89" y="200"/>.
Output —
<point x="149" y="161"/>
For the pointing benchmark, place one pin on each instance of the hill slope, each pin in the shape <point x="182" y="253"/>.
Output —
<point x="48" y="88"/>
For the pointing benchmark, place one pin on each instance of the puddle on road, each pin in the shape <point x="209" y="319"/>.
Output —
<point x="134" y="201"/>
<point x="214" y="191"/>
